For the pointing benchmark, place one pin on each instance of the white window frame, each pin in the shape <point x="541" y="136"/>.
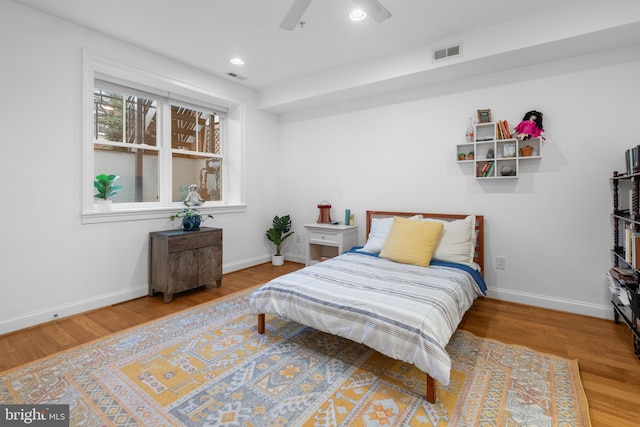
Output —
<point x="117" y="71"/>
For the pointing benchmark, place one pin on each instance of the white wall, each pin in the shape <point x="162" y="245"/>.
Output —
<point x="552" y="223"/>
<point x="50" y="262"/>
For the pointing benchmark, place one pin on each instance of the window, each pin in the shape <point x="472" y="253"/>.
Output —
<point x="196" y="153"/>
<point x="125" y="142"/>
<point x="159" y="142"/>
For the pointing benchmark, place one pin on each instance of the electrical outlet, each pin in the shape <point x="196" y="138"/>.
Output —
<point x="501" y="262"/>
<point x="297" y="238"/>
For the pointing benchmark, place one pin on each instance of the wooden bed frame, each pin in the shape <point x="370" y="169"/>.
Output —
<point x="478" y="258"/>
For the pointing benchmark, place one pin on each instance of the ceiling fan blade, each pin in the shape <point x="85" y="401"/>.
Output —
<point x="294" y="14"/>
<point x="374" y="9"/>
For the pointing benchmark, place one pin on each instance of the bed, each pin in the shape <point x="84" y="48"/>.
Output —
<point x="403" y="294"/>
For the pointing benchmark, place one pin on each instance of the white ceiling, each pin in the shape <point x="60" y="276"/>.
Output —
<point x="206" y="34"/>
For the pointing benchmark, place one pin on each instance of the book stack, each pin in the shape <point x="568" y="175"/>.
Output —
<point x="623" y="276"/>
<point x="486" y="169"/>
<point x="632" y="159"/>
<point x="502" y="130"/>
<point x="618" y="279"/>
<point x="631" y="247"/>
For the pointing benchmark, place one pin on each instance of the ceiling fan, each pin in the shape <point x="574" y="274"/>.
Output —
<point x="374" y="9"/>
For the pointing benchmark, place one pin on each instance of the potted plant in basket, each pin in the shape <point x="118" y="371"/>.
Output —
<point x="191" y="218"/>
<point x="105" y="189"/>
<point x="277" y="234"/>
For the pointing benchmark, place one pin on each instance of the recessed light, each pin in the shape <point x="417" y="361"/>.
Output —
<point x="237" y="61"/>
<point x="357" y="15"/>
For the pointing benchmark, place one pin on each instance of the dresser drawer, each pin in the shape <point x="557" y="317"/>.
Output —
<point x="321" y="237"/>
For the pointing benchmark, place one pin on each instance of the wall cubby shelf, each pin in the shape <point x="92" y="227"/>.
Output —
<point x="507" y="153"/>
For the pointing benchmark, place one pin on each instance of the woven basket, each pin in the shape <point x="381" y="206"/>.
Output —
<point x="526" y="151"/>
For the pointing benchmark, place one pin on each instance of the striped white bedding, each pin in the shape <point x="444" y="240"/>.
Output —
<point x="404" y="311"/>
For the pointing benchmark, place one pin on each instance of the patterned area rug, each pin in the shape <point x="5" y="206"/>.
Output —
<point x="207" y="366"/>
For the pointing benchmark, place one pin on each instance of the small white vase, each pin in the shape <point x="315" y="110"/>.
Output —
<point x="277" y="260"/>
<point x="103" y="205"/>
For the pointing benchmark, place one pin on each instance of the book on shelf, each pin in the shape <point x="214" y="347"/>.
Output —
<point x="621" y="272"/>
<point x="628" y="239"/>
<point x="502" y="130"/>
<point x="632" y="159"/>
<point x="614" y="284"/>
<point x="489" y="169"/>
<point x="623" y="279"/>
<point x="507" y="132"/>
<point x="635" y="250"/>
<point x="483" y="170"/>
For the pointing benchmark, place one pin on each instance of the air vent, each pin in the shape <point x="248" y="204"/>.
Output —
<point x="236" y="76"/>
<point x="447" y="52"/>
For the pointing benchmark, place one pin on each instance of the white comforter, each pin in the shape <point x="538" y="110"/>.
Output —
<point x="404" y="311"/>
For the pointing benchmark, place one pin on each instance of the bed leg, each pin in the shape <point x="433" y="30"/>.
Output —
<point x="261" y="323"/>
<point x="431" y="389"/>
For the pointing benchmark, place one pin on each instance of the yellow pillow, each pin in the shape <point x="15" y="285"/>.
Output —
<point x="411" y="242"/>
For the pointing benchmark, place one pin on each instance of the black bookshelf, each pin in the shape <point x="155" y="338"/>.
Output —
<point x="627" y="216"/>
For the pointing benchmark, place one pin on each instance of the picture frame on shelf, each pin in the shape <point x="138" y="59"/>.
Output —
<point x="509" y="150"/>
<point x="484" y="116"/>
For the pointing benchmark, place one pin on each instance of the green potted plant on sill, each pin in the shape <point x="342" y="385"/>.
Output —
<point x="191" y="218"/>
<point x="105" y="189"/>
<point x="277" y="234"/>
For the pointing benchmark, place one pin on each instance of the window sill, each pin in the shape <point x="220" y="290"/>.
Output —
<point x="119" y="215"/>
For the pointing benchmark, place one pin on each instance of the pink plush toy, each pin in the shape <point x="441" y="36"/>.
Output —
<point x="530" y="126"/>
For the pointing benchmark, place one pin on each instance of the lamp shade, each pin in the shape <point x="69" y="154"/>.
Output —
<point x="325" y="213"/>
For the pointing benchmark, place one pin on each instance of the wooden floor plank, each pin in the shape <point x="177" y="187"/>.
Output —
<point x="609" y="370"/>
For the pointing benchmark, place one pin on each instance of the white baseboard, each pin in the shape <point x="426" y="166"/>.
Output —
<point x="250" y="262"/>
<point x="560" y="304"/>
<point x="245" y="263"/>
<point x="295" y="258"/>
<point x="81" y="306"/>
<point x="66" y="310"/>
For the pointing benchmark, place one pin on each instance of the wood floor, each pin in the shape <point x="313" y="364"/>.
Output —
<point x="610" y="371"/>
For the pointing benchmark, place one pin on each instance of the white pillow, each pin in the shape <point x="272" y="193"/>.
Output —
<point x="378" y="234"/>
<point x="458" y="241"/>
<point x="379" y="231"/>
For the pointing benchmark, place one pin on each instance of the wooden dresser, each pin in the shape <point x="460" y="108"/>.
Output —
<point x="180" y="260"/>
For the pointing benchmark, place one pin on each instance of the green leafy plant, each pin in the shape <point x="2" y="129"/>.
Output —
<point x="280" y="231"/>
<point x="189" y="212"/>
<point x="104" y="185"/>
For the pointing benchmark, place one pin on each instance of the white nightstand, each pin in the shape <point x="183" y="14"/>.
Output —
<point x="328" y="240"/>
